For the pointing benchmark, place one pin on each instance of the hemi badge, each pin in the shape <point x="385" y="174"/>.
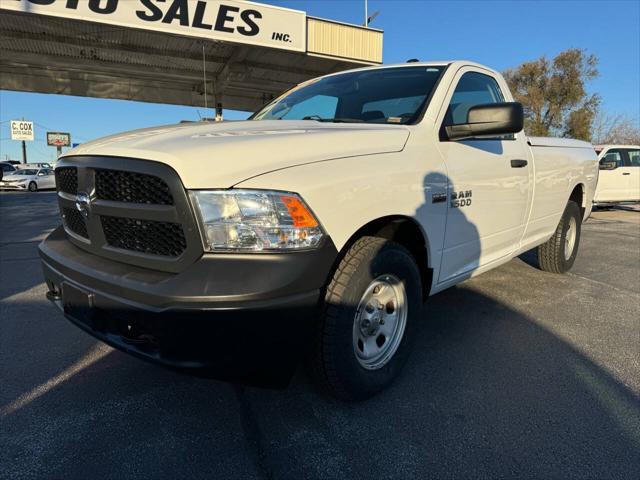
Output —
<point x="438" y="197"/>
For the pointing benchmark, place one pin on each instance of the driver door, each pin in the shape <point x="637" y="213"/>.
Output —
<point x="488" y="182"/>
<point x="612" y="184"/>
<point x="51" y="178"/>
<point x="45" y="179"/>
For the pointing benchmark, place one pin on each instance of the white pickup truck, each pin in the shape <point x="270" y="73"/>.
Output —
<point x="316" y="228"/>
<point x="619" y="179"/>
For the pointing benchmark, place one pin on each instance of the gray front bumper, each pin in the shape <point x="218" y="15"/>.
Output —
<point x="235" y="317"/>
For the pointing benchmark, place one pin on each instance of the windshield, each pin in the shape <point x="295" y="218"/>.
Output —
<point x="26" y="171"/>
<point x="387" y="95"/>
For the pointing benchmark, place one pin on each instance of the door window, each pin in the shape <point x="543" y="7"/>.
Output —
<point x="473" y="89"/>
<point x="634" y="157"/>
<point x="613" y="155"/>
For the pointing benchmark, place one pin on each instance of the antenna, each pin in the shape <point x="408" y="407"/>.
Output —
<point x="366" y="13"/>
<point x="368" y="19"/>
<point x="372" y="17"/>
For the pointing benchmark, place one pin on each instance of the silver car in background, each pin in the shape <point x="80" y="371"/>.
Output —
<point x="31" y="179"/>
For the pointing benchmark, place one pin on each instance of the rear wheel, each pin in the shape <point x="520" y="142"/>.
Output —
<point x="33" y="186"/>
<point x="371" y="307"/>
<point x="559" y="252"/>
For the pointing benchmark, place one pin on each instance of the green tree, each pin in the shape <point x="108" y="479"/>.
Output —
<point x="554" y="96"/>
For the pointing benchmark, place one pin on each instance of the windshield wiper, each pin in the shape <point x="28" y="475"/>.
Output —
<point x="333" y="120"/>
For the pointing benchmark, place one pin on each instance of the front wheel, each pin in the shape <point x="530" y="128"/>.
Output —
<point x="371" y="307"/>
<point x="559" y="252"/>
<point x="33" y="186"/>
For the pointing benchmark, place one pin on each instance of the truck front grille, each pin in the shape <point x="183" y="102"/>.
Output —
<point x="131" y="187"/>
<point x="138" y="212"/>
<point x="145" y="236"/>
<point x="67" y="180"/>
<point x="74" y="221"/>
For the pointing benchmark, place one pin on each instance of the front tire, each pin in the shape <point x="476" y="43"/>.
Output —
<point x="370" y="311"/>
<point x="33" y="186"/>
<point x="558" y="254"/>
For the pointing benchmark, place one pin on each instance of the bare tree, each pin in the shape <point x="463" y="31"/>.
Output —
<point x="553" y="93"/>
<point x="615" y="129"/>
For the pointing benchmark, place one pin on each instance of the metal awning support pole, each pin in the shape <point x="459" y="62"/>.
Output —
<point x="204" y="76"/>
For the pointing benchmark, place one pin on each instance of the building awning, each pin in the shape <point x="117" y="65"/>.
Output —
<point x="162" y="51"/>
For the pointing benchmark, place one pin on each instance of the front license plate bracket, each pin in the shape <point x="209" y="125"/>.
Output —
<point x="78" y="304"/>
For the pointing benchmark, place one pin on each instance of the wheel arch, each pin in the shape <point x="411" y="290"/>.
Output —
<point x="578" y="195"/>
<point x="407" y="232"/>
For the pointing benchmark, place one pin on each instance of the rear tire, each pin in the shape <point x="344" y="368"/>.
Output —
<point x="558" y="253"/>
<point x="33" y="186"/>
<point x="371" y="307"/>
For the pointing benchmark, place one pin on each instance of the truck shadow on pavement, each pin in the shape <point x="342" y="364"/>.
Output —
<point x="487" y="392"/>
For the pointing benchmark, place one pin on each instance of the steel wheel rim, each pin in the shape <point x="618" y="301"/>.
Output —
<point x="380" y="321"/>
<point x="570" y="238"/>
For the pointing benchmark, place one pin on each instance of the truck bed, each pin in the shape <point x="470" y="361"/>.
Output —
<point x="557" y="142"/>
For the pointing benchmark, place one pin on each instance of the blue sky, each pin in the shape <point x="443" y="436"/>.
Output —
<point x="500" y="34"/>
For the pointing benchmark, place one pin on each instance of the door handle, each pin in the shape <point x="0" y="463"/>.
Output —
<point x="518" y="163"/>
<point x="626" y="173"/>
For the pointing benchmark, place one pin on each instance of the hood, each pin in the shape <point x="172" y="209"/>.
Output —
<point x="220" y="155"/>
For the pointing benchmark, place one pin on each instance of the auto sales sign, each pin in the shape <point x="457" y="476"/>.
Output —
<point x="230" y="20"/>
<point x="21" y="130"/>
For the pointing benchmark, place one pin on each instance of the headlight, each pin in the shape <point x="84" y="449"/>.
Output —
<point x="255" y="220"/>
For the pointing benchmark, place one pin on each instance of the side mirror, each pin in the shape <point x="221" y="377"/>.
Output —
<point x="490" y="119"/>
<point x="610" y="165"/>
<point x="41" y="174"/>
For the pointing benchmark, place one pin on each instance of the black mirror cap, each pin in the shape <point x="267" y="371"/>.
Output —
<point x="489" y="119"/>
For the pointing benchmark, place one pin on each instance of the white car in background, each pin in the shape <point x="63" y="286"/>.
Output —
<point x="31" y="179"/>
<point x="619" y="179"/>
<point x="34" y="165"/>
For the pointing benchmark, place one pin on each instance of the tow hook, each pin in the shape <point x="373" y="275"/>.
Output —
<point x="54" y="294"/>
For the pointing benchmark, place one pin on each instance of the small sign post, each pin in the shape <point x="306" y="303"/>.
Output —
<point x="23" y="131"/>
<point x="58" y="140"/>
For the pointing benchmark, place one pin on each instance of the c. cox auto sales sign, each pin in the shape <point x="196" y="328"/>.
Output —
<point x="231" y="20"/>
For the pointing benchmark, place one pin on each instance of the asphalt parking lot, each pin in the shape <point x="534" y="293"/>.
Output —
<point x="516" y="373"/>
